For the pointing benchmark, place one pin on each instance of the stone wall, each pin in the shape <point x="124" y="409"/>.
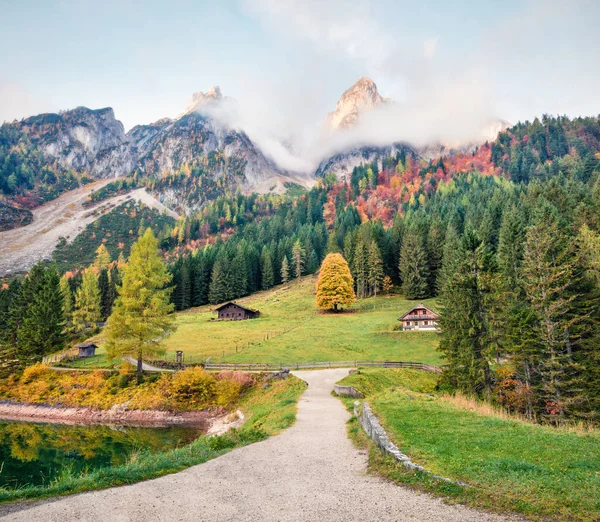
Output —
<point x="347" y="391"/>
<point x="375" y="431"/>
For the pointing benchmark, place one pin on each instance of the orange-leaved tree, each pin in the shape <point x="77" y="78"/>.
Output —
<point x="335" y="286"/>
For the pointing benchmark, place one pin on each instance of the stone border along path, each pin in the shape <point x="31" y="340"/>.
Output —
<point x="309" y="472"/>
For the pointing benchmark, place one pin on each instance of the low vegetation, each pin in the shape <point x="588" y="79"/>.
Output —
<point x="542" y="472"/>
<point x="267" y="411"/>
<point x="191" y="389"/>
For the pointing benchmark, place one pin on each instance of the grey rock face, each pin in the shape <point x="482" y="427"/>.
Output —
<point x="343" y="163"/>
<point x="83" y="140"/>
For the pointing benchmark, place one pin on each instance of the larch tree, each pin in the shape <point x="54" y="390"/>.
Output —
<point x="87" y="311"/>
<point x="103" y="259"/>
<point x="335" y="286"/>
<point x="141" y="316"/>
<point x="298" y="255"/>
<point x="285" y="270"/>
<point x="67" y="306"/>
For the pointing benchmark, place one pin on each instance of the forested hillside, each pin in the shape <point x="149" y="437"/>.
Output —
<point x="507" y="237"/>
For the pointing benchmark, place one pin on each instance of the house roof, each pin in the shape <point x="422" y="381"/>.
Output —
<point x="430" y="313"/>
<point x="86" y="345"/>
<point x="236" y="304"/>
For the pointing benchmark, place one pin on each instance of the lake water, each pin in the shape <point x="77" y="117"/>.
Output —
<point x="32" y="453"/>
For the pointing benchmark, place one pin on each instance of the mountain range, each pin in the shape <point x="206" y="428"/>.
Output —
<point x="44" y="150"/>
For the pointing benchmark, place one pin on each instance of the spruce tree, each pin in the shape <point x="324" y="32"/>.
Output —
<point x="549" y="277"/>
<point x="41" y="328"/>
<point x="141" y="316"/>
<point x="361" y="267"/>
<point x="468" y="340"/>
<point x="105" y="294"/>
<point x="375" y="268"/>
<point x="414" y="268"/>
<point x="451" y="259"/>
<point x="267" y="275"/>
<point x="510" y="247"/>
<point x="239" y="275"/>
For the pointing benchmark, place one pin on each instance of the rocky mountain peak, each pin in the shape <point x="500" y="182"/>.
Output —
<point x="362" y="96"/>
<point x="202" y="99"/>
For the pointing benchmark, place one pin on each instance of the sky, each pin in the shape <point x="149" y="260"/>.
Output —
<point x="449" y="65"/>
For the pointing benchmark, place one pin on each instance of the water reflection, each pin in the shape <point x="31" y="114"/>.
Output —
<point x="36" y="453"/>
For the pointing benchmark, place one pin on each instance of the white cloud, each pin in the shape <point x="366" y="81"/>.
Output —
<point x="430" y="46"/>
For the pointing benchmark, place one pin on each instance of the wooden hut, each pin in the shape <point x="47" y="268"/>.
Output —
<point x="235" y="312"/>
<point x="86" y="349"/>
<point x="420" y="318"/>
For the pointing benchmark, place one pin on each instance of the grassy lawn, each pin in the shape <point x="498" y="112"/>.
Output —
<point x="291" y="329"/>
<point x="267" y="412"/>
<point x="539" y="471"/>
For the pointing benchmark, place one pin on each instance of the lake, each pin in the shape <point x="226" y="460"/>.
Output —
<point x="34" y="454"/>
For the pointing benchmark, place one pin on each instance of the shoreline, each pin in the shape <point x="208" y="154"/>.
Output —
<point x="42" y="413"/>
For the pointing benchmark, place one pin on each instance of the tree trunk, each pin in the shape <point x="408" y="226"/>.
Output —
<point x="335" y="307"/>
<point x="139" y="363"/>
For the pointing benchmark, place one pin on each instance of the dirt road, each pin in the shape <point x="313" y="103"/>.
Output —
<point x="310" y="472"/>
<point x="21" y="248"/>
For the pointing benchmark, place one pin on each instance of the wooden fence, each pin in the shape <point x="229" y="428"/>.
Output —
<point x="316" y="365"/>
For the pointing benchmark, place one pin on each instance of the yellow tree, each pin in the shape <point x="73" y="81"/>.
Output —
<point x="335" y="286"/>
<point x="141" y="316"/>
<point x="102" y="260"/>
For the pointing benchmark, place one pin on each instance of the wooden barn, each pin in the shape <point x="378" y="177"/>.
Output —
<point x="420" y="318"/>
<point x="236" y="312"/>
<point x="86" y="349"/>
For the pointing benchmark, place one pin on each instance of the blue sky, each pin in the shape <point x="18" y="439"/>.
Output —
<point x="288" y="62"/>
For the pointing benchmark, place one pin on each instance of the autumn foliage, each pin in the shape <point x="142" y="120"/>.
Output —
<point x="335" y="286"/>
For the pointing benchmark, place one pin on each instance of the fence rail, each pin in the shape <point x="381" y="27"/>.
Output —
<point x="326" y="364"/>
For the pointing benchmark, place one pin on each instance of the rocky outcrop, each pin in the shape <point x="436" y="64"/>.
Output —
<point x="362" y="96"/>
<point x="82" y="140"/>
<point x="343" y="163"/>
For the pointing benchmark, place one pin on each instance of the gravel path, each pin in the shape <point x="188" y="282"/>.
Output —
<point x="310" y="472"/>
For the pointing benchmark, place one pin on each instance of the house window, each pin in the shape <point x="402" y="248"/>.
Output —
<point x="425" y="323"/>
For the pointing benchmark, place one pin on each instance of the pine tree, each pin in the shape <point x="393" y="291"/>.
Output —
<point x="141" y="316"/>
<point x="335" y="286"/>
<point x="414" y="268"/>
<point x="285" y="270"/>
<point x="87" y="303"/>
<point x="375" y="268"/>
<point x="298" y="255"/>
<point x="239" y="275"/>
<point x="267" y="275"/>
<point x="40" y="331"/>
<point x="313" y="263"/>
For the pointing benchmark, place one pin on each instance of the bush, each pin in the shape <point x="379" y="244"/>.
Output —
<point x="194" y="387"/>
<point x="228" y="392"/>
<point x="33" y="373"/>
<point x="246" y="380"/>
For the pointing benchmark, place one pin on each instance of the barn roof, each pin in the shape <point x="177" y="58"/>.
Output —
<point x="430" y="313"/>
<point x="86" y="345"/>
<point x="238" y="305"/>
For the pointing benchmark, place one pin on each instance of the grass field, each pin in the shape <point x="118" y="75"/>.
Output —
<point x="542" y="472"/>
<point x="291" y="329"/>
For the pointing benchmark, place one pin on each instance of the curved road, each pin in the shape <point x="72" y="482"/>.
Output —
<point x="310" y="472"/>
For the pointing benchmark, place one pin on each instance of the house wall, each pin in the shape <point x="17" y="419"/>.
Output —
<point x="419" y="325"/>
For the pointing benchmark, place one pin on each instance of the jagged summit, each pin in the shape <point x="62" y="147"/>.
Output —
<point x="362" y="96"/>
<point x="201" y="99"/>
